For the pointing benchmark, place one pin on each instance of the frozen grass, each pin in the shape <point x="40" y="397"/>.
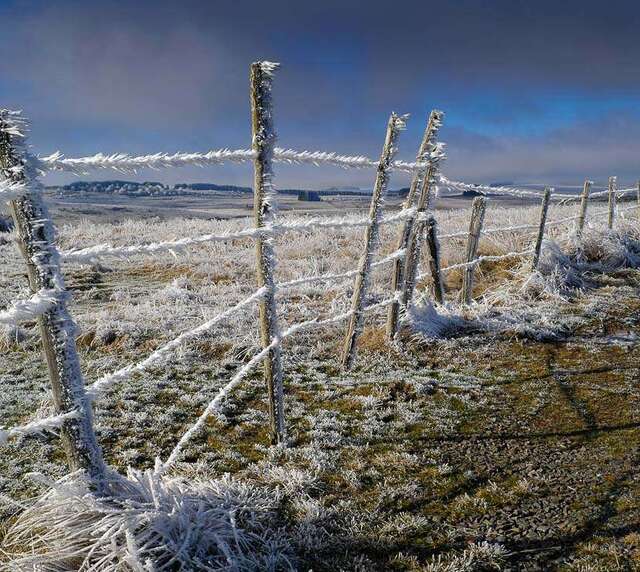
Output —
<point x="331" y="493"/>
<point x="148" y="523"/>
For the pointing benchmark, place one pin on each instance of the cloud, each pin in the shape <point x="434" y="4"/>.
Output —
<point x="592" y="149"/>
<point x="158" y="75"/>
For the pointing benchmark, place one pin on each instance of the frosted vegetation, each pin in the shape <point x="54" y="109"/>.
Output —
<point x="330" y="500"/>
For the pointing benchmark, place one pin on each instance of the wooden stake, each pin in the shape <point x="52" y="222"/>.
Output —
<point x="35" y="237"/>
<point x="263" y="208"/>
<point x="397" y="276"/>
<point x="412" y="255"/>
<point x="478" y="209"/>
<point x="584" y="202"/>
<point x="639" y="199"/>
<point x="433" y="245"/>
<point x="544" y="208"/>
<point x="612" y="202"/>
<point x="354" y="327"/>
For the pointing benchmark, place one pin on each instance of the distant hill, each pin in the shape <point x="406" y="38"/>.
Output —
<point x="153" y="188"/>
<point x="212" y="187"/>
<point x="116" y="187"/>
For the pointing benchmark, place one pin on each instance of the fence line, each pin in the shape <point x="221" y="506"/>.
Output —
<point x="74" y="415"/>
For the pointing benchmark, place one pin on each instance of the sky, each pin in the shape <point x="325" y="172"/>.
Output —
<point x="533" y="92"/>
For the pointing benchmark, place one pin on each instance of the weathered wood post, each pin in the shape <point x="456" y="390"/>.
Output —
<point x="584" y="203"/>
<point x="612" y="202"/>
<point x="263" y="143"/>
<point x="36" y="241"/>
<point x="478" y="208"/>
<point x="412" y="255"/>
<point x="544" y="208"/>
<point x="638" y="197"/>
<point x="397" y="276"/>
<point x="394" y="126"/>
<point x="433" y="244"/>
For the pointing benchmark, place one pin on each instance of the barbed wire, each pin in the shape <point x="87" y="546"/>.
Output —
<point x="158" y="356"/>
<point x="36" y="427"/>
<point x="26" y="310"/>
<point x="92" y="254"/>
<point x="339" y="276"/>
<point x="126" y="163"/>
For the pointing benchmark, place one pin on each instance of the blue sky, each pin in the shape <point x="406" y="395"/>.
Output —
<point x="545" y="92"/>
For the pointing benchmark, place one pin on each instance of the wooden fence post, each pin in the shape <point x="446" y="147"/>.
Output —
<point x="544" y="208"/>
<point x="434" y="258"/>
<point x="584" y="202"/>
<point x="478" y="209"/>
<point x="412" y="255"/>
<point x="394" y="126"/>
<point x="638" y="197"/>
<point x="612" y="202"/>
<point x="35" y="234"/>
<point x="397" y="277"/>
<point x="263" y="142"/>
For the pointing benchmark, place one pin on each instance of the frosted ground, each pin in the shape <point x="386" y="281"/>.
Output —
<point x="502" y="436"/>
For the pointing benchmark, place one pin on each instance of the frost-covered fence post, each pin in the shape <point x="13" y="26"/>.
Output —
<point x="433" y="244"/>
<point x="394" y="126"/>
<point x="35" y="237"/>
<point x="544" y="209"/>
<point x="584" y="202"/>
<point x="412" y="255"/>
<point x="612" y="202"/>
<point x="264" y="137"/>
<point x="478" y="208"/>
<point x="397" y="276"/>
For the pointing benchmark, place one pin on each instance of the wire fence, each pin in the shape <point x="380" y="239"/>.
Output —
<point x="19" y="186"/>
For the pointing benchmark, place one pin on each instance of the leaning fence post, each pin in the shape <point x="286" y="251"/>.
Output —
<point x="394" y="126"/>
<point x="434" y="258"/>
<point x="264" y="138"/>
<point x="478" y="209"/>
<point x="35" y="237"/>
<point x="544" y="208"/>
<point x="412" y="255"/>
<point x="612" y="201"/>
<point x="397" y="277"/>
<point x="584" y="202"/>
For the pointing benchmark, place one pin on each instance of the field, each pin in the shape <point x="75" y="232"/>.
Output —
<point x="504" y="435"/>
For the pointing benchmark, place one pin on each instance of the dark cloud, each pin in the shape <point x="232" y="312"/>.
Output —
<point x="158" y="75"/>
